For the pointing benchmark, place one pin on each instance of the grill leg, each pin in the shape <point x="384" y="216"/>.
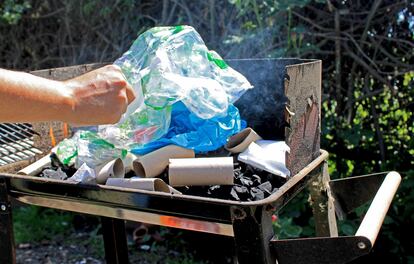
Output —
<point x="116" y="249"/>
<point x="253" y="230"/>
<point x="7" y="249"/>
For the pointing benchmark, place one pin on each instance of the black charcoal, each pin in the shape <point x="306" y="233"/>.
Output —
<point x="246" y="181"/>
<point x="234" y="195"/>
<point x="240" y="189"/>
<point x="256" y="194"/>
<point x="266" y="187"/>
<point x="256" y="179"/>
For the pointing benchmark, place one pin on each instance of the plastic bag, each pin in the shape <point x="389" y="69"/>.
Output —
<point x="84" y="174"/>
<point x="185" y="95"/>
<point x="166" y="65"/>
<point x="267" y="155"/>
<point x="94" y="151"/>
<point x="189" y="131"/>
<point x="67" y="151"/>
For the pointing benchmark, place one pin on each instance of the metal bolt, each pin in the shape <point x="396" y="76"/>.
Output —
<point x="238" y="213"/>
<point x="3" y="207"/>
<point x="361" y="245"/>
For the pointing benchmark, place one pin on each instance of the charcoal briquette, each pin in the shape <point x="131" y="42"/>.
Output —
<point x="266" y="187"/>
<point x="256" y="194"/>
<point x="256" y="179"/>
<point x="246" y="181"/>
<point x="234" y="195"/>
<point x="240" y="189"/>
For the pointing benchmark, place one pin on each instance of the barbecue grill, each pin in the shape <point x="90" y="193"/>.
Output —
<point x="285" y="104"/>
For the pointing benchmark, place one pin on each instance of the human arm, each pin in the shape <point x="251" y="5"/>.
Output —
<point x="97" y="97"/>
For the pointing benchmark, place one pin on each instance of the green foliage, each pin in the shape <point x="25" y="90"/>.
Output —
<point x="363" y="133"/>
<point x="33" y="224"/>
<point x="11" y="10"/>
<point x="284" y="228"/>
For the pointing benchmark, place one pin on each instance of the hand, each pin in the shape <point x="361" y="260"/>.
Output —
<point x="99" y="97"/>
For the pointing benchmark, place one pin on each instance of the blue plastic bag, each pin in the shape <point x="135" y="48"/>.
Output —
<point x="189" y="131"/>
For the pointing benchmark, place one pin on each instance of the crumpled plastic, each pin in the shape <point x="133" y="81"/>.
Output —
<point x="267" y="155"/>
<point x="189" y="131"/>
<point x="67" y="151"/>
<point x="94" y="151"/>
<point x="54" y="174"/>
<point x="166" y="65"/>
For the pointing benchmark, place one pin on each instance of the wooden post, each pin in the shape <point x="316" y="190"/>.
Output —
<point x="323" y="204"/>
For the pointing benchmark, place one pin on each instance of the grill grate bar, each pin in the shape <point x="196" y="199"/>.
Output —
<point x="13" y="139"/>
<point x="16" y="143"/>
<point x="22" y="130"/>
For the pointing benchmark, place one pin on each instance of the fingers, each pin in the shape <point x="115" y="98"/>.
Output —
<point x="122" y="83"/>
<point x="130" y="93"/>
<point x="124" y="102"/>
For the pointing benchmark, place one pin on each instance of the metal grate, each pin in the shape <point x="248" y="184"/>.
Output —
<point x="16" y="143"/>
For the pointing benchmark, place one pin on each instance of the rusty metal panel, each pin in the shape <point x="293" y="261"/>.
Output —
<point x="303" y="91"/>
<point x="65" y="73"/>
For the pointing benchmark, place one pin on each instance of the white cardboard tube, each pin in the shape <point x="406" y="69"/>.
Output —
<point x="36" y="167"/>
<point x="113" y="169"/>
<point x="149" y="184"/>
<point x="201" y="171"/>
<point x="154" y="163"/>
<point x="239" y="142"/>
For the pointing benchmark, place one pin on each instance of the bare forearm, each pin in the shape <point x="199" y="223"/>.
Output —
<point x="28" y="98"/>
<point x="96" y="97"/>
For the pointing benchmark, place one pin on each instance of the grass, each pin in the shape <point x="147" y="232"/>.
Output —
<point x="34" y="224"/>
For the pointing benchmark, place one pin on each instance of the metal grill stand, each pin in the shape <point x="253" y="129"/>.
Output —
<point x="297" y="85"/>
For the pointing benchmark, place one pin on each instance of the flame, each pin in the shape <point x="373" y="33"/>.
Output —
<point x="65" y="130"/>
<point x="52" y="136"/>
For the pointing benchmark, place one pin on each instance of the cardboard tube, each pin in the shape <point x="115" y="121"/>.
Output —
<point x="239" y="142"/>
<point x="128" y="160"/>
<point x="36" y="167"/>
<point x="149" y="184"/>
<point x="113" y="169"/>
<point x="154" y="163"/>
<point x="201" y="171"/>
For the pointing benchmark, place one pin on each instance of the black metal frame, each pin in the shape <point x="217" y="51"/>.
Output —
<point x="7" y="248"/>
<point x="250" y="221"/>
<point x="115" y="243"/>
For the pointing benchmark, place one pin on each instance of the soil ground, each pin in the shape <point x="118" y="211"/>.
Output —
<point x="87" y="248"/>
